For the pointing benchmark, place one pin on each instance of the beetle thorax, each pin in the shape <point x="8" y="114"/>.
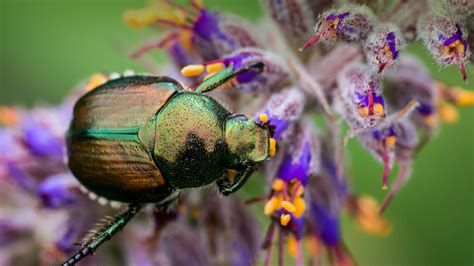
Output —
<point x="189" y="140"/>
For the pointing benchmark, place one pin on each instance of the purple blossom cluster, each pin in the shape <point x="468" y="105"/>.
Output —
<point x="352" y="71"/>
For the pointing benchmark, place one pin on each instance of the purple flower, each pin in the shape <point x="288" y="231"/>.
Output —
<point x="286" y="203"/>
<point x="41" y="141"/>
<point x="58" y="191"/>
<point x="211" y="34"/>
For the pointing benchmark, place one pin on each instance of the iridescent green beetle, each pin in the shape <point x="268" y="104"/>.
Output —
<point x="141" y="139"/>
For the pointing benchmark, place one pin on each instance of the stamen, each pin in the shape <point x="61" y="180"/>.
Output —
<point x="298" y="190"/>
<point x="300" y="207"/>
<point x="463" y="97"/>
<point x="157" y="12"/>
<point x="363" y="111"/>
<point x="288" y="206"/>
<point x="406" y="110"/>
<point x="192" y="70"/>
<point x="272" y="150"/>
<point x="285" y="219"/>
<point x="379" y="110"/>
<point x="263" y="118"/>
<point x="214" y="67"/>
<point x="448" y="113"/>
<point x="8" y="116"/>
<point x="429" y="120"/>
<point x="390" y="141"/>
<point x="292" y="245"/>
<point x="172" y="23"/>
<point x="278" y="184"/>
<point x="270" y="206"/>
<point x="369" y="219"/>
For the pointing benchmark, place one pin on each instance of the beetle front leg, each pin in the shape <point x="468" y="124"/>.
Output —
<point x="225" y="75"/>
<point x="226" y="187"/>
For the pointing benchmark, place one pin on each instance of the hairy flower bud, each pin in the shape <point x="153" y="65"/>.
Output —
<point x="405" y="15"/>
<point x="461" y="8"/>
<point x="445" y="39"/>
<point x="383" y="46"/>
<point x="412" y="81"/>
<point x="350" y="23"/>
<point x="359" y="96"/>
<point x="281" y="111"/>
<point x="390" y="143"/>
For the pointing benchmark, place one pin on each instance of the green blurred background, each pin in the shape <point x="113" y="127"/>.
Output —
<point x="47" y="46"/>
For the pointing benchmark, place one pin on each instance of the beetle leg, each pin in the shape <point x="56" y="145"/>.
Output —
<point x="163" y="205"/>
<point x="225" y="75"/>
<point x="105" y="233"/>
<point x="226" y="188"/>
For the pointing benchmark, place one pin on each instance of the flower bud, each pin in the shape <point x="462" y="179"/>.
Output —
<point x="281" y="111"/>
<point x="445" y="39"/>
<point x="359" y="96"/>
<point x="350" y="23"/>
<point x="412" y="81"/>
<point x="383" y="46"/>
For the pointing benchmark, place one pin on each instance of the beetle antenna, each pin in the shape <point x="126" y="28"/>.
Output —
<point x="104" y="234"/>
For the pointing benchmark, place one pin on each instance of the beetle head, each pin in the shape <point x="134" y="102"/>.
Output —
<point x="247" y="141"/>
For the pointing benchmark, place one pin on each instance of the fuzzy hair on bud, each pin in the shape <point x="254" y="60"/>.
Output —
<point x="358" y="88"/>
<point x="445" y="39"/>
<point x="383" y="46"/>
<point x="411" y="80"/>
<point x="292" y="16"/>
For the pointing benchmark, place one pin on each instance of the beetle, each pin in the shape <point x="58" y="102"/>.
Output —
<point x="142" y="139"/>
